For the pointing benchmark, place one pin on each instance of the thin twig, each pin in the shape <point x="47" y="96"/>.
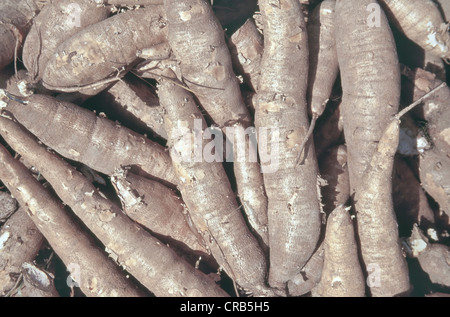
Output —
<point x="16" y="49"/>
<point x="418" y="101"/>
<point x="173" y="81"/>
<point x="89" y="86"/>
<point x="203" y="86"/>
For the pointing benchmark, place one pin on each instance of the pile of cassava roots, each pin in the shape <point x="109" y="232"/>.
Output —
<point x="226" y="148"/>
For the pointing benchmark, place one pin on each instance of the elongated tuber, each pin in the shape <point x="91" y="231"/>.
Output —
<point x="207" y="192"/>
<point x="133" y="248"/>
<point x="56" y="22"/>
<point x="293" y="192"/>
<point x="104" y="48"/>
<point x="92" y="139"/>
<point x="157" y="208"/>
<point x="98" y="275"/>
<point x="207" y="70"/>
<point x="323" y="62"/>
<point x="381" y="253"/>
<point x="246" y="49"/>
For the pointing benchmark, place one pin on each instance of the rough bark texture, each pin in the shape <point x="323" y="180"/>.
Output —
<point x="377" y="224"/>
<point x="92" y="140"/>
<point x="206" y="67"/>
<point x="293" y="194"/>
<point x="92" y="55"/>
<point x="342" y="275"/>
<point x="134" y="249"/>
<point x="369" y="99"/>
<point x="207" y="193"/>
<point x="99" y="276"/>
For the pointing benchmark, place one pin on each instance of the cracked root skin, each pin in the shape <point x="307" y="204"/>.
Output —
<point x="132" y="247"/>
<point x="99" y="276"/>
<point x="293" y="198"/>
<point x="246" y="48"/>
<point x="422" y="22"/>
